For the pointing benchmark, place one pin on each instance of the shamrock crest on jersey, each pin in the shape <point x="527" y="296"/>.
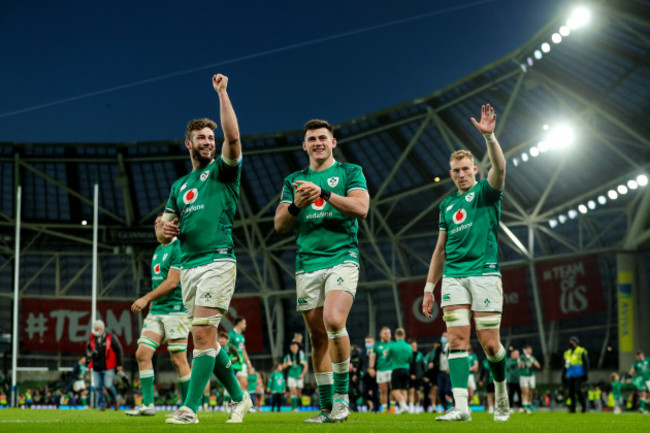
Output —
<point x="333" y="181"/>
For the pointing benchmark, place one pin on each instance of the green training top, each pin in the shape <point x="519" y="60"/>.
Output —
<point x="252" y="383"/>
<point x="238" y="341"/>
<point x="528" y="366"/>
<point x="642" y="368"/>
<point x="513" y="370"/>
<point x="295" y="370"/>
<point x="276" y="383"/>
<point x="471" y="221"/>
<point x="381" y="350"/>
<point x="166" y="258"/>
<point x="400" y="354"/>
<point x="205" y="201"/>
<point x="324" y="236"/>
<point x="471" y="359"/>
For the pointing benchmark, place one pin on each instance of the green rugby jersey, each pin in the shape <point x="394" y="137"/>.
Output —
<point x="382" y="360"/>
<point x="296" y="361"/>
<point x="642" y="368"/>
<point x="166" y="258"/>
<point x="238" y="341"/>
<point x="400" y="354"/>
<point x="324" y="236"/>
<point x="471" y="221"/>
<point x="205" y="201"/>
<point x="527" y="366"/>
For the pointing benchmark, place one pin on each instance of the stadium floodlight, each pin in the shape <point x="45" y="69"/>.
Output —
<point x="84" y="222"/>
<point x="622" y="189"/>
<point x="613" y="195"/>
<point x="534" y="151"/>
<point x="579" y="18"/>
<point x="546" y="47"/>
<point x="524" y="157"/>
<point x="565" y="31"/>
<point x="642" y="180"/>
<point x="632" y="184"/>
<point x="556" y="38"/>
<point x="542" y="146"/>
<point x="561" y="136"/>
<point x="436" y="179"/>
<point x="552" y="222"/>
<point x="602" y="199"/>
<point x="583" y="209"/>
<point x="573" y="213"/>
<point x="515" y="162"/>
<point x="530" y="61"/>
<point x="562" y="219"/>
<point x="538" y="54"/>
<point x="592" y="204"/>
<point x="546" y="127"/>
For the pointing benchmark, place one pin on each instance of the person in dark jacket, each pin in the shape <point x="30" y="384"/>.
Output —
<point x="106" y="355"/>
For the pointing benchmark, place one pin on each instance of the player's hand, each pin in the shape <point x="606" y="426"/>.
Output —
<point x="170" y="228"/>
<point x="488" y="120"/>
<point x="427" y="304"/>
<point x="219" y="82"/>
<point x="305" y="193"/>
<point x="372" y="372"/>
<point x="139" y="305"/>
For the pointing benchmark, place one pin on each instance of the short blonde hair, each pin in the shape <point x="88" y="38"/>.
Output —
<point x="460" y="154"/>
<point x="400" y="333"/>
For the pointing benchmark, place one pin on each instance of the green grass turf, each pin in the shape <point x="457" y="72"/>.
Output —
<point x="92" y="421"/>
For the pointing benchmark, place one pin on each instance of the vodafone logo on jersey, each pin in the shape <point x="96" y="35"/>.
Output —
<point x="156" y="269"/>
<point x="460" y="216"/>
<point x="190" y="196"/>
<point x="318" y="204"/>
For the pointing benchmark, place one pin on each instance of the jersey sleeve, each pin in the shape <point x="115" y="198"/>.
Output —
<point x="170" y="207"/>
<point x="227" y="173"/>
<point x="175" y="261"/>
<point x="442" y="224"/>
<point x="491" y="195"/>
<point x="356" y="180"/>
<point x="287" y="192"/>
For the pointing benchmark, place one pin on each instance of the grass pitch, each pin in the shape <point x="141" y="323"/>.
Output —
<point x="92" y="421"/>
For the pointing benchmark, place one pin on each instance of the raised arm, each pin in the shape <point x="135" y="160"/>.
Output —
<point x="497" y="173"/>
<point x="231" y="149"/>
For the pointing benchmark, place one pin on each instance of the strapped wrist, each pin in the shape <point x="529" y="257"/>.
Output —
<point x="428" y="287"/>
<point x="490" y="138"/>
<point x="325" y="194"/>
<point x="293" y="209"/>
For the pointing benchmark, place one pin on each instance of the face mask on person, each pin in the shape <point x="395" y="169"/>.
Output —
<point x="97" y="333"/>
<point x="368" y="345"/>
<point x="443" y="340"/>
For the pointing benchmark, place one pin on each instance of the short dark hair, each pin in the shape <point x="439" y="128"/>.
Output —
<point x="224" y="334"/>
<point x="197" y="125"/>
<point x="237" y="321"/>
<point x="317" y="124"/>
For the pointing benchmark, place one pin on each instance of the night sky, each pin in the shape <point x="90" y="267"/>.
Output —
<point x="114" y="71"/>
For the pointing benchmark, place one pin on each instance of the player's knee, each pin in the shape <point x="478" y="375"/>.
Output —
<point x="176" y="350"/>
<point x="456" y="318"/>
<point x="335" y="335"/>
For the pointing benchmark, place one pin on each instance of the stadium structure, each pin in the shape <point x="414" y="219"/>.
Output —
<point x="575" y="232"/>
